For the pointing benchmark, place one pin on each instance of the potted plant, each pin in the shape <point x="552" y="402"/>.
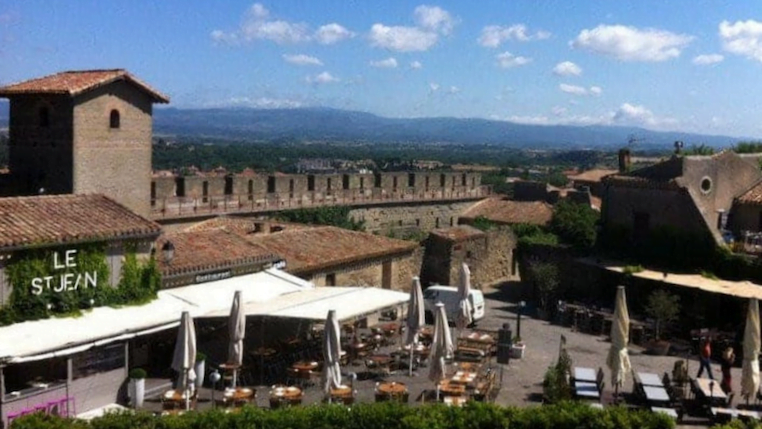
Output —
<point x="137" y="386"/>
<point x="517" y="348"/>
<point x="664" y="308"/>
<point x="544" y="276"/>
<point x="200" y="369"/>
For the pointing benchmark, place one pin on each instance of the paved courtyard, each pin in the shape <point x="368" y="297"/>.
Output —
<point x="522" y="379"/>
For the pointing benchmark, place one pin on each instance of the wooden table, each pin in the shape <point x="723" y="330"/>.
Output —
<point x="469" y="366"/>
<point x="714" y="394"/>
<point x="391" y="390"/>
<point x="239" y="395"/>
<point x="448" y="388"/>
<point x="463" y="377"/>
<point x="480" y="338"/>
<point x="343" y="394"/>
<point x="263" y="352"/>
<point x="291" y="395"/>
<point x="381" y="359"/>
<point x="305" y="366"/>
<point x="584" y="374"/>
<point x="175" y="395"/>
<point x="454" y="401"/>
<point x="357" y="348"/>
<point x="649" y="379"/>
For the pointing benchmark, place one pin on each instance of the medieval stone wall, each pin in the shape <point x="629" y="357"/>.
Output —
<point x="420" y="216"/>
<point x="393" y="273"/>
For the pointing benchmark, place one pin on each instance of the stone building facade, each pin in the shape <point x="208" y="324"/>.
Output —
<point x="82" y="132"/>
<point x="489" y="255"/>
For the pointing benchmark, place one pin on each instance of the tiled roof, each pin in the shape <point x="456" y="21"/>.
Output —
<point x="458" y="233"/>
<point x="58" y="219"/>
<point x="76" y="82"/>
<point x="313" y="249"/>
<point x="753" y="196"/>
<point x="592" y="175"/>
<point x="200" y="251"/>
<point x="511" y="212"/>
<point x="641" y="182"/>
<point x="241" y="225"/>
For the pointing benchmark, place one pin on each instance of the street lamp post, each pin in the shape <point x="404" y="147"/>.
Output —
<point x="214" y="377"/>
<point x="522" y="304"/>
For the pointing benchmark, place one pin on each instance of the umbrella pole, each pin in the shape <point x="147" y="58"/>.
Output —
<point x="186" y="389"/>
<point x="235" y="378"/>
<point x="412" y="355"/>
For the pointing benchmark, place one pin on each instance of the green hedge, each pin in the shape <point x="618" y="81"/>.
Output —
<point x="375" y="416"/>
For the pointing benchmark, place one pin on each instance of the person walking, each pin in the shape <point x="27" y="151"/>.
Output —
<point x="705" y="358"/>
<point x="728" y="357"/>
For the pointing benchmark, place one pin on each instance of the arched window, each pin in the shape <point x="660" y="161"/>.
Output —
<point x="44" y="116"/>
<point x="114" y="119"/>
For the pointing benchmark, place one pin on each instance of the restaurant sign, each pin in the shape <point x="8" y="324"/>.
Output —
<point x="65" y="280"/>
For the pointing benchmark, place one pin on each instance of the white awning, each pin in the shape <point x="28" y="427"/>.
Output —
<point x="313" y="304"/>
<point x="42" y="339"/>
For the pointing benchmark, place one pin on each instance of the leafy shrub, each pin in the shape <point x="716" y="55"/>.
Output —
<point x="575" y="223"/>
<point x="138" y="373"/>
<point x="632" y="269"/>
<point x="335" y="216"/>
<point x="556" y="386"/>
<point x="200" y="357"/>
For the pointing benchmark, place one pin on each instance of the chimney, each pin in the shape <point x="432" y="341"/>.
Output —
<point x="624" y="160"/>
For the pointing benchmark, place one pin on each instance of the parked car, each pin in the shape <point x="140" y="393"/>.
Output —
<point x="448" y="295"/>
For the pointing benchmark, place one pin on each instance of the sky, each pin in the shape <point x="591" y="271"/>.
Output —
<point x="686" y="65"/>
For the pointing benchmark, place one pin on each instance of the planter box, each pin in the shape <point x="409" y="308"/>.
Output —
<point x="517" y="351"/>
<point x="137" y="388"/>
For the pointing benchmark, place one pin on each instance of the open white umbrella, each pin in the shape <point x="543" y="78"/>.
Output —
<point x="441" y="346"/>
<point x="751" y="344"/>
<point x="236" y="334"/>
<point x="415" y="317"/>
<point x="184" y="357"/>
<point x="464" y="306"/>
<point x="618" y="360"/>
<point x="331" y="353"/>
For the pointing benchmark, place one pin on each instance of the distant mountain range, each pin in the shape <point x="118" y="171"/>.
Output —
<point x="324" y="124"/>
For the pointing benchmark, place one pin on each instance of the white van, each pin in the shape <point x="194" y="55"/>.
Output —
<point x="448" y="295"/>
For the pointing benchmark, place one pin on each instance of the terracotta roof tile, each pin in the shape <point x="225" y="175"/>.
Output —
<point x="458" y="233"/>
<point x="76" y="82"/>
<point x="198" y="251"/>
<point x="751" y="197"/>
<point x="58" y="219"/>
<point x="242" y="225"/>
<point x="592" y="175"/>
<point x="312" y="249"/>
<point x="511" y="212"/>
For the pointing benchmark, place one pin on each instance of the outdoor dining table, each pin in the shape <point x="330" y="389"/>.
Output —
<point x="343" y="394"/>
<point x="584" y="374"/>
<point x="649" y="379"/>
<point x="263" y="352"/>
<point x="356" y="348"/>
<point x="455" y="401"/>
<point x="735" y="413"/>
<point x="239" y="395"/>
<point x="381" y="360"/>
<point x="656" y="394"/>
<point x="712" y="393"/>
<point x="671" y="412"/>
<point x="174" y="395"/>
<point x="291" y="395"/>
<point x="480" y="338"/>
<point x="463" y="377"/>
<point x="305" y="366"/>
<point x="469" y="366"/>
<point x="420" y="350"/>
<point x="448" y="388"/>
<point x="391" y="390"/>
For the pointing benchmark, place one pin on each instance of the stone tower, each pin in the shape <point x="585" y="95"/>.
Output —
<point x="83" y="132"/>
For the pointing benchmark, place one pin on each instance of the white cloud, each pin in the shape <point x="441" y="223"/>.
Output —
<point x="579" y="90"/>
<point x="302" y="60"/>
<point x="494" y="35"/>
<point x="631" y="44"/>
<point x="507" y="60"/>
<point x="572" y="89"/>
<point x="389" y="63"/>
<point x="259" y="25"/>
<point x="431" y="22"/>
<point x="705" y="60"/>
<point x="434" y="18"/>
<point x="332" y="33"/>
<point x="453" y="90"/>
<point x="402" y="39"/>
<point x="559" y="110"/>
<point x="630" y="114"/>
<point x="416" y="65"/>
<point x="322" y="78"/>
<point x="742" y="38"/>
<point x="434" y="87"/>
<point x="567" y="68"/>
<point x="260" y="102"/>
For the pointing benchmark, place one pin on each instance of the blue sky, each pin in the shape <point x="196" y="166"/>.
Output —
<point x="678" y="65"/>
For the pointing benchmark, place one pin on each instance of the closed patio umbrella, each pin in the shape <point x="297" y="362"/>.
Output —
<point x="751" y="344"/>
<point x="618" y="360"/>
<point x="236" y="334"/>
<point x="184" y="357"/>
<point x="464" y="306"/>
<point x="415" y="317"/>
<point x="441" y="346"/>
<point x="331" y="353"/>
